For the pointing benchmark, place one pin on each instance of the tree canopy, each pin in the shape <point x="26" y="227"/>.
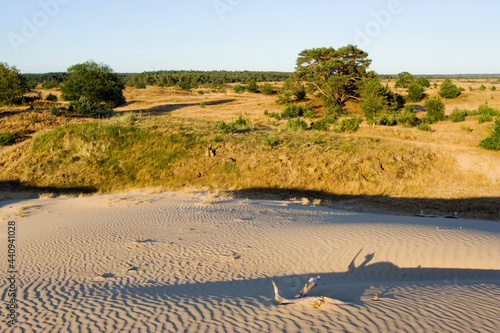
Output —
<point x="334" y="74"/>
<point x="415" y="92"/>
<point x="96" y="82"/>
<point x="12" y="84"/>
<point x="449" y="90"/>
<point x="378" y="99"/>
<point x="403" y="80"/>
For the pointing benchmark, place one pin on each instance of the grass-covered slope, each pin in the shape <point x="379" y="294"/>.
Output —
<point x="107" y="157"/>
<point x="112" y="157"/>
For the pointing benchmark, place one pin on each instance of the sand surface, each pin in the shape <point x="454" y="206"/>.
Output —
<point x="195" y="262"/>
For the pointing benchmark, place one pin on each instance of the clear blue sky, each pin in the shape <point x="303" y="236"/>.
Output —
<point x="422" y="37"/>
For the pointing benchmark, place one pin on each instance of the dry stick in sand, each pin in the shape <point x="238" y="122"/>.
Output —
<point x="300" y="297"/>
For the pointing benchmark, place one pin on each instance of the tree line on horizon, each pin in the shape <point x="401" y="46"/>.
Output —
<point x="186" y="79"/>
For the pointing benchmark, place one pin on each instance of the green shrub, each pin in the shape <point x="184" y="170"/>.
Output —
<point x="140" y="85"/>
<point x="296" y="124"/>
<point x="373" y="100"/>
<point x="274" y="115"/>
<point x="415" y="92"/>
<point x="84" y="107"/>
<point x="184" y="85"/>
<point x="435" y="110"/>
<point x="239" y="89"/>
<point x="227" y="128"/>
<point x="423" y="82"/>
<point x="484" y="118"/>
<point x="493" y="141"/>
<point x="321" y="125"/>
<point x="202" y="105"/>
<point x="408" y="118"/>
<point x="200" y="92"/>
<point x="37" y="109"/>
<point x="309" y="114"/>
<point x="403" y="80"/>
<point x="266" y="89"/>
<point x="7" y="139"/>
<point x="240" y="121"/>
<point x="487" y="110"/>
<point x="12" y="84"/>
<point x="284" y="98"/>
<point x="449" y="90"/>
<point x="96" y="82"/>
<point x="330" y="118"/>
<point x="300" y="93"/>
<point x="54" y="111"/>
<point x="269" y="141"/>
<point x="466" y="128"/>
<point x="486" y="113"/>
<point x="349" y="124"/>
<point x="493" y="88"/>
<point x="482" y="87"/>
<point x="51" y="97"/>
<point x="387" y="121"/>
<point x="292" y="111"/>
<point x="424" y="127"/>
<point x="457" y="115"/>
<point x="252" y="87"/>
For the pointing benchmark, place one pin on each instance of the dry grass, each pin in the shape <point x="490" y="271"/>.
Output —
<point x="374" y="162"/>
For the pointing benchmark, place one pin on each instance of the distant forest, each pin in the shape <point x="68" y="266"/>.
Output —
<point x="192" y="79"/>
<point x="184" y="79"/>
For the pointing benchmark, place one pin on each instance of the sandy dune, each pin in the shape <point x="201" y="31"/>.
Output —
<point x="193" y="262"/>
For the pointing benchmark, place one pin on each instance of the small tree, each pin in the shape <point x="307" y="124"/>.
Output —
<point x="377" y="99"/>
<point x="239" y="89"/>
<point x="266" y="89"/>
<point x="493" y="141"/>
<point x="96" y="82"/>
<point x="252" y="87"/>
<point x="292" y="111"/>
<point x="423" y="82"/>
<point x="435" y="110"/>
<point x="415" y="92"/>
<point x="12" y="84"/>
<point x="335" y="75"/>
<point x="403" y="80"/>
<point x="449" y="90"/>
<point x="291" y="91"/>
<point x="373" y="101"/>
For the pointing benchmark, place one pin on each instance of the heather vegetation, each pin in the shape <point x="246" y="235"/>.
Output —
<point x="332" y="125"/>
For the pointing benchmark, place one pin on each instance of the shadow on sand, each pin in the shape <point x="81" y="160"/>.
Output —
<point x="16" y="190"/>
<point x="349" y="286"/>
<point x="166" y="108"/>
<point x="487" y="208"/>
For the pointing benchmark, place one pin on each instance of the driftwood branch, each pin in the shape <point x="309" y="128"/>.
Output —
<point x="313" y="282"/>
<point x="300" y="297"/>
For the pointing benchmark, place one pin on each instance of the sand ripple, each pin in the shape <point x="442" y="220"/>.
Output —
<point x="177" y="262"/>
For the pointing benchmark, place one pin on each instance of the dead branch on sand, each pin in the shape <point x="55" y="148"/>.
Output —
<point x="301" y="296"/>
